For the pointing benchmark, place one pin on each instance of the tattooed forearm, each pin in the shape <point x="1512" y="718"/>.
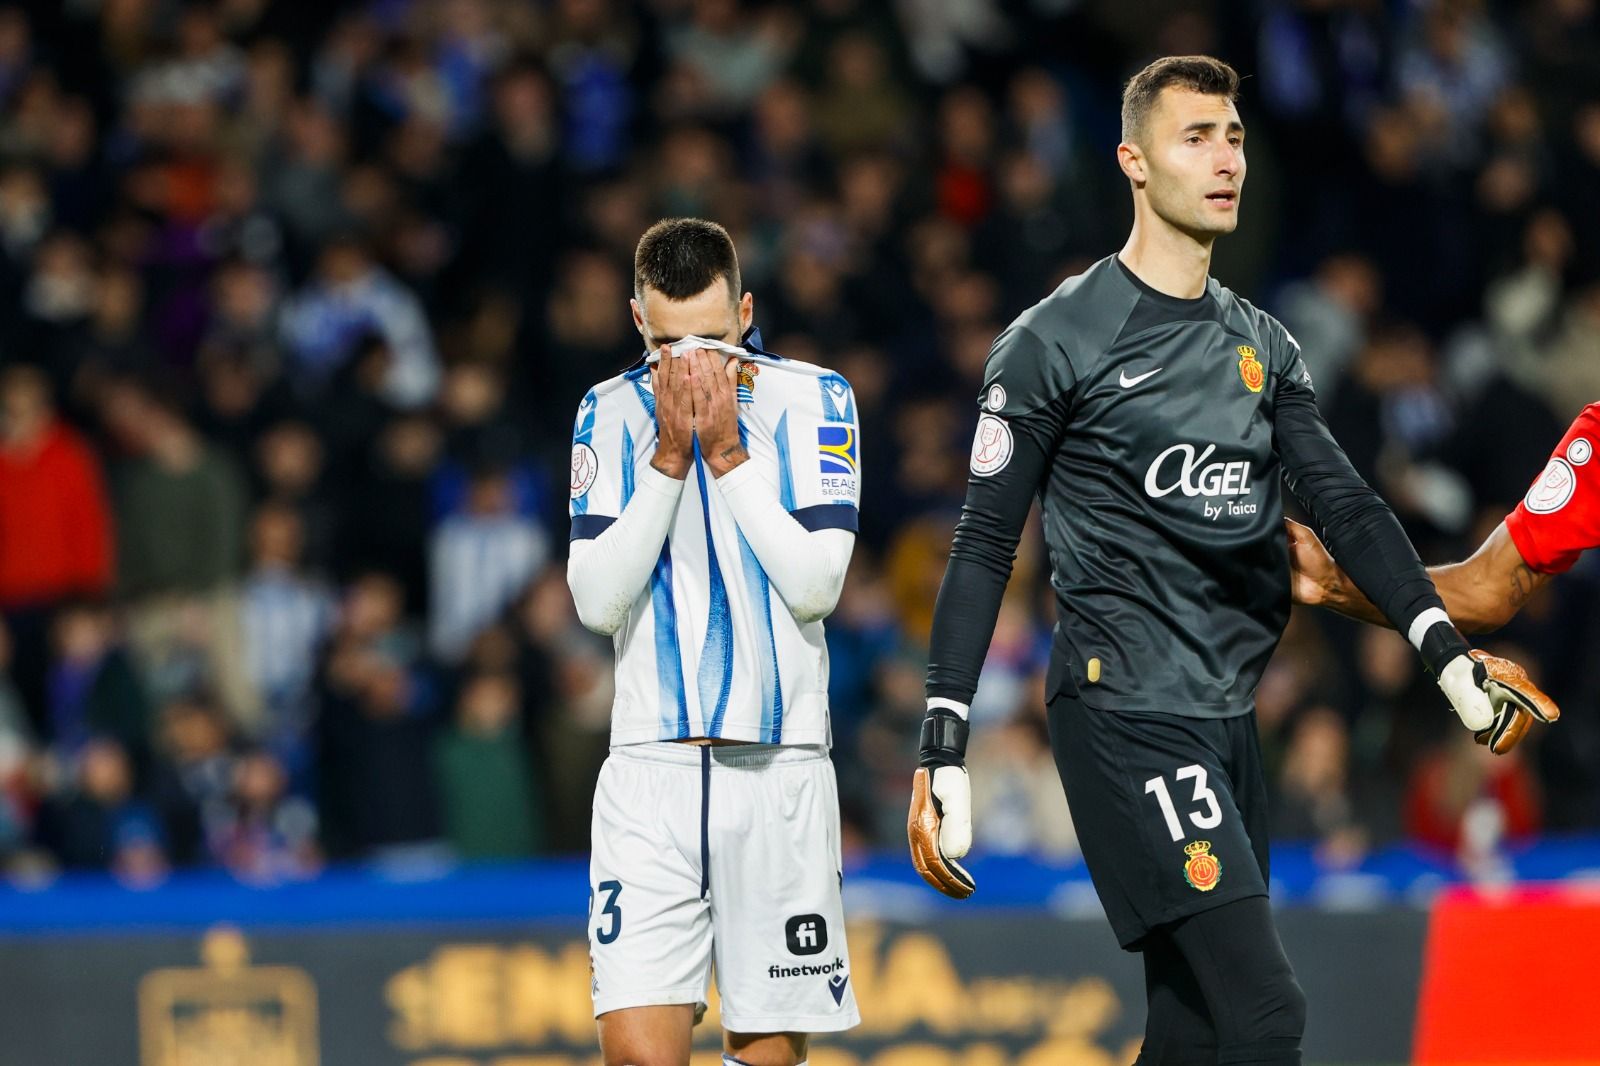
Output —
<point x="1523" y="583"/>
<point x="721" y="460"/>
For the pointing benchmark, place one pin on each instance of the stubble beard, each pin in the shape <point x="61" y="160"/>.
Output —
<point x="1196" y="223"/>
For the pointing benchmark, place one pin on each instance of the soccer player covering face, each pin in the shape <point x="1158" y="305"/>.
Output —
<point x="1155" y="415"/>
<point x="714" y="497"/>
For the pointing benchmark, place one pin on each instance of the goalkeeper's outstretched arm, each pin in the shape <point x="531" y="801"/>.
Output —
<point x="1493" y="697"/>
<point x="1481" y="593"/>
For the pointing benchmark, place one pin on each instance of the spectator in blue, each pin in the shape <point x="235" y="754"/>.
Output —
<point x="350" y="295"/>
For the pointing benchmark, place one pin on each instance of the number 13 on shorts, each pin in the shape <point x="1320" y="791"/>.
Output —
<point x="1207" y="814"/>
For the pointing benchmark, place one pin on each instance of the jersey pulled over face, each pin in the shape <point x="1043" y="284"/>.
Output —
<point x="1559" y="518"/>
<point x="1162" y="501"/>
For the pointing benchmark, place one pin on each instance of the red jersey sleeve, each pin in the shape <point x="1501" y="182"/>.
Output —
<point x="1559" y="518"/>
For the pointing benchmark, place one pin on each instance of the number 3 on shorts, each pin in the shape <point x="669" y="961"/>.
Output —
<point x="609" y="909"/>
<point x="1210" y="819"/>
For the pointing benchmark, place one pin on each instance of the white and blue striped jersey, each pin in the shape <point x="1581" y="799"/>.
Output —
<point x="709" y="649"/>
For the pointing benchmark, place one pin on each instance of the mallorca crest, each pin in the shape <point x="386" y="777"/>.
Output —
<point x="1203" y="870"/>
<point x="1250" y="370"/>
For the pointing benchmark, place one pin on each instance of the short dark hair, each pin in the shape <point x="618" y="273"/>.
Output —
<point x="681" y="257"/>
<point x="1197" y="74"/>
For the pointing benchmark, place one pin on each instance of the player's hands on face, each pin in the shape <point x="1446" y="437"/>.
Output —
<point x="1315" y="578"/>
<point x="674" y="416"/>
<point x="714" y="383"/>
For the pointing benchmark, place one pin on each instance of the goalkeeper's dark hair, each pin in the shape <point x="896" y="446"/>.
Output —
<point x="681" y="257"/>
<point x="1197" y="74"/>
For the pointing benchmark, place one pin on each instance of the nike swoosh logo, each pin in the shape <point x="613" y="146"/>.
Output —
<point x="1129" y="383"/>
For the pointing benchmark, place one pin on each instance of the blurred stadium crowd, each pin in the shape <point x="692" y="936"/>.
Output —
<point x="298" y="301"/>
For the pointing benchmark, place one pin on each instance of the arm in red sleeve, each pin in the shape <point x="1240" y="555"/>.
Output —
<point x="1559" y="518"/>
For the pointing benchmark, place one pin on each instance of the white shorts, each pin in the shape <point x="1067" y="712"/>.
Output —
<point x="726" y="853"/>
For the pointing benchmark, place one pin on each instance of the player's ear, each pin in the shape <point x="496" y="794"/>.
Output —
<point x="638" y="315"/>
<point x="1131" y="160"/>
<point x="747" y="313"/>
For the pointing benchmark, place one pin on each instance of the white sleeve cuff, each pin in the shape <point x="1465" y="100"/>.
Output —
<point x="961" y="709"/>
<point x="739" y="477"/>
<point x="1424" y="622"/>
<point x="657" y="482"/>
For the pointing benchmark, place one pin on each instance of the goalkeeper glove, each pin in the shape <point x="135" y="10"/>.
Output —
<point x="1493" y="697"/>
<point x="1518" y="702"/>
<point x="939" y="826"/>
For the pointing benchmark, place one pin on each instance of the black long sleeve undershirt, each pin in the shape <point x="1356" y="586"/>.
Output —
<point x="982" y="553"/>
<point x="1360" y="530"/>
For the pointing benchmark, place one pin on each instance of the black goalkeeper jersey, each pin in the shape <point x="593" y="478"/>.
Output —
<point x="1156" y="433"/>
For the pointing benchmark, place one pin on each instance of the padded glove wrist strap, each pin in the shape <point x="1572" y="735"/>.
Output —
<point x="944" y="738"/>
<point x="1439" y="645"/>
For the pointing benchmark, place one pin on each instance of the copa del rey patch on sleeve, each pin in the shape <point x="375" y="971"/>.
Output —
<point x="991" y="446"/>
<point x="1554" y="487"/>
<point x="585" y="465"/>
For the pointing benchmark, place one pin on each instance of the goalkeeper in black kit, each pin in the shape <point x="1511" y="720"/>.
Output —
<point x="1155" y="415"/>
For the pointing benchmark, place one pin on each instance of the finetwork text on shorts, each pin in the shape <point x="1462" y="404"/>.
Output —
<point x="836" y="966"/>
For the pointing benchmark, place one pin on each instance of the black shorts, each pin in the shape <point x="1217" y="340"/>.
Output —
<point x="1171" y="812"/>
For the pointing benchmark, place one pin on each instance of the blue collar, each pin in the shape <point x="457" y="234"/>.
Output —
<point x="752" y="342"/>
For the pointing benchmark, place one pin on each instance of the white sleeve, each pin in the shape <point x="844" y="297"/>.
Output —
<point x="819" y="450"/>
<point x="807" y="568"/>
<point x="608" y="572"/>
<point x="803" y="529"/>
<point x="619" y="521"/>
